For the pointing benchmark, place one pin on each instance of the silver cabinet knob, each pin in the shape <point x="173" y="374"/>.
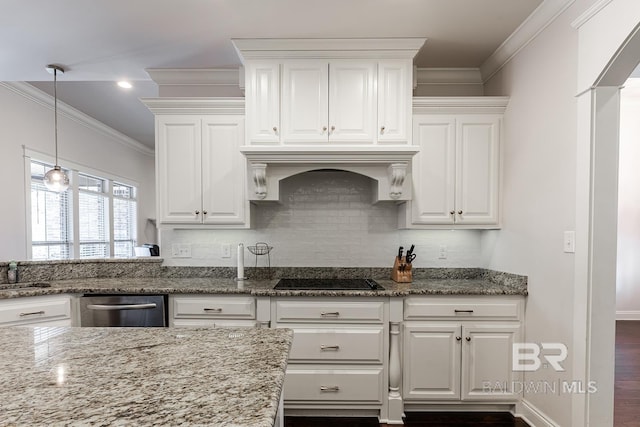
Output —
<point x="458" y="338"/>
<point x="197" y="212"/>
<point x="333" y="128"/>
<point x="468" y="339"/>
<point x="275" y="129"/>
<point x="204" y="212"/>
<point x="324" y="128"/>
<point x="459" y="212"/>
<point x="382" y="130"/>
<point x="452" y="212"/>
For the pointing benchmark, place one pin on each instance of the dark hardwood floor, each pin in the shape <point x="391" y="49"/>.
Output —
<point x="627" y="379"/>
<point x="626" y="399"/>
<point x="416" y="419"/>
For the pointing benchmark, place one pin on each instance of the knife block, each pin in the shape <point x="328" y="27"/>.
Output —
<point x="401" y="272"/>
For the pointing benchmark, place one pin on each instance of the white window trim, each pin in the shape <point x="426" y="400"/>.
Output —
<point x="74" y="169"/>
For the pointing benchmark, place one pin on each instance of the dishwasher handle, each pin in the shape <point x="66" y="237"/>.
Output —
<point x="111" y="307"/>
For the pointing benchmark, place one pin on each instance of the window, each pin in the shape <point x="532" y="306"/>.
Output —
<point x="95" y="218"/>
<point x="50" y="218"/>
<point x="124" y="219"/>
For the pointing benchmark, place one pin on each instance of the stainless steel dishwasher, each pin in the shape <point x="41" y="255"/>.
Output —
<point x="123" y="310"/>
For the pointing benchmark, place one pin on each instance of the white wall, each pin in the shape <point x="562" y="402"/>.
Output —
<point x="628" y="265"/>
<point x="540" y="190"/>
<point x="326" y="219"/>
<point x="25" y="122"/>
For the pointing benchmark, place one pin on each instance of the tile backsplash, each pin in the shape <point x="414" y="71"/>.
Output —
<point x="326" y="218"/>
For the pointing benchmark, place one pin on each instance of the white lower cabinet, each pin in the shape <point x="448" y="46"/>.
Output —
<point x="53" y="310"/>
<point x="339" y="355"/>
<point x="465" y="355"/>
<point x="212" y="310"/>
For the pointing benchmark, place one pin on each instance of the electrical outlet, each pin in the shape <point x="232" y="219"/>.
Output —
<point x="181" y="250"/>
<point x="443" y="252"/>
<point x="226" y="250"/>
<point x="569" y="242"/>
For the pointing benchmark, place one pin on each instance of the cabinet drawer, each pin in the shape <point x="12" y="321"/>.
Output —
<point x="352" y="385"/>
<point x="463" y="308"/>
<point x="34" y="310"/>
<point x="330" y="311"/>
<point x="341" y="345"/>
<point x="219" y="307"/>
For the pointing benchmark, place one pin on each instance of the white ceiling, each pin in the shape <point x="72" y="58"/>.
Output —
<point x="102" y="41"/>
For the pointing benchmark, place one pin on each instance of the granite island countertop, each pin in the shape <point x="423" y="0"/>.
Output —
<point x="141" y="376"/>
<point x="163" y="285"/>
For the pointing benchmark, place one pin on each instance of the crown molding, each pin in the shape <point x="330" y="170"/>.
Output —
<point x="328" y="48"/>
<point x="590" y="13"/>
<point x="446" y="76"/>
<point x="44" y="99"/>
<point x="535" y="23"/>
<point x="459" y="104"/>
<point x="195" y="76"/>
<point x="194" y="105"/>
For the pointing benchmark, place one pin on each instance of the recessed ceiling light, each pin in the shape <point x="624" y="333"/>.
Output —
<point x="125" y="85"/>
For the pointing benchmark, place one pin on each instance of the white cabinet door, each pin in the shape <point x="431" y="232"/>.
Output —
<point x="352" y="101"/>
<point x="433" y="170"/>
<point x="477" y="169"/>
<point x="394" y="101"/>
<point x="431" y="361"/>
<point x="305" y="101"/>
<point x="223" y="170"/>
<point x="178" y="169"/>
<point x="487" y="361"/>
<point x="263" y="102"/>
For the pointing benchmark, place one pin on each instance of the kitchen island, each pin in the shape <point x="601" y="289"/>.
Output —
<point x="141" y="376"/>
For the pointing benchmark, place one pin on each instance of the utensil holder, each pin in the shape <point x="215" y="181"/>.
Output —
<point x="401" y="271"/>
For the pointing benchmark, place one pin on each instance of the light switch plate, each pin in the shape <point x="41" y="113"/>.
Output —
<point x="570" y="241"/>
<point x="443" y="252"/>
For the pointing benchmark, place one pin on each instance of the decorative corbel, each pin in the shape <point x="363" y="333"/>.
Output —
<point x="260" y="179"/>
<point x="397" y="174"/>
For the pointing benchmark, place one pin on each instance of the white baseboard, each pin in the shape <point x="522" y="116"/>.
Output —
<point x="532" y="415"/>
<point x="627" y="315"/>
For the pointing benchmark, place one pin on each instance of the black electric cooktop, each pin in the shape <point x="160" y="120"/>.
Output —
<point x="329" y="284"/>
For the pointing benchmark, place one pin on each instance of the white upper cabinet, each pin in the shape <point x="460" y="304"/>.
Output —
<point x="223" y="171"/>
<point x="201" y="173"/>
<point x="352" y="101"/>
<point x="394" y="101"/>
<point x="263" y="102"/>
<point x="179" y="176"/>
<point x="305" y="101"/>
<point x="338" y="91"/>
<point x="456" y="174"/>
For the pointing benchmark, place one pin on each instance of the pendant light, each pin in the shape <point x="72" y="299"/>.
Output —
<point x="56" y="179"/>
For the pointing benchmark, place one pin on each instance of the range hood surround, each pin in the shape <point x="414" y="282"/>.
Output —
<point x="389" y="167"/>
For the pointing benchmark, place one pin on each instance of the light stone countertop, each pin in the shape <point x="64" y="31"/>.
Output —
<point x="163" y="285"/>
<point x="141" y="376"/>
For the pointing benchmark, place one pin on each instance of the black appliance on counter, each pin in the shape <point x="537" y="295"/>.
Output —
<point x="329" y="284"/>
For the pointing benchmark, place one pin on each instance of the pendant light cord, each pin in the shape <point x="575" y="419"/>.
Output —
<point x="55" y="110"/>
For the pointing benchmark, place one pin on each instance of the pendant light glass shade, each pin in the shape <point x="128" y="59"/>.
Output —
<point x="56" y="179"/>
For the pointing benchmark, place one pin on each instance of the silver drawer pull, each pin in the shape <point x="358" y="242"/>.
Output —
<point x="330" y="314"/>
<point x="32" y="314"/>
<point x="110" y="307"/>
<point x="332" y="388"/>
<point x="462" y="311"/>
<point x="329" y="347"/>
<point x="215" y="310"/>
